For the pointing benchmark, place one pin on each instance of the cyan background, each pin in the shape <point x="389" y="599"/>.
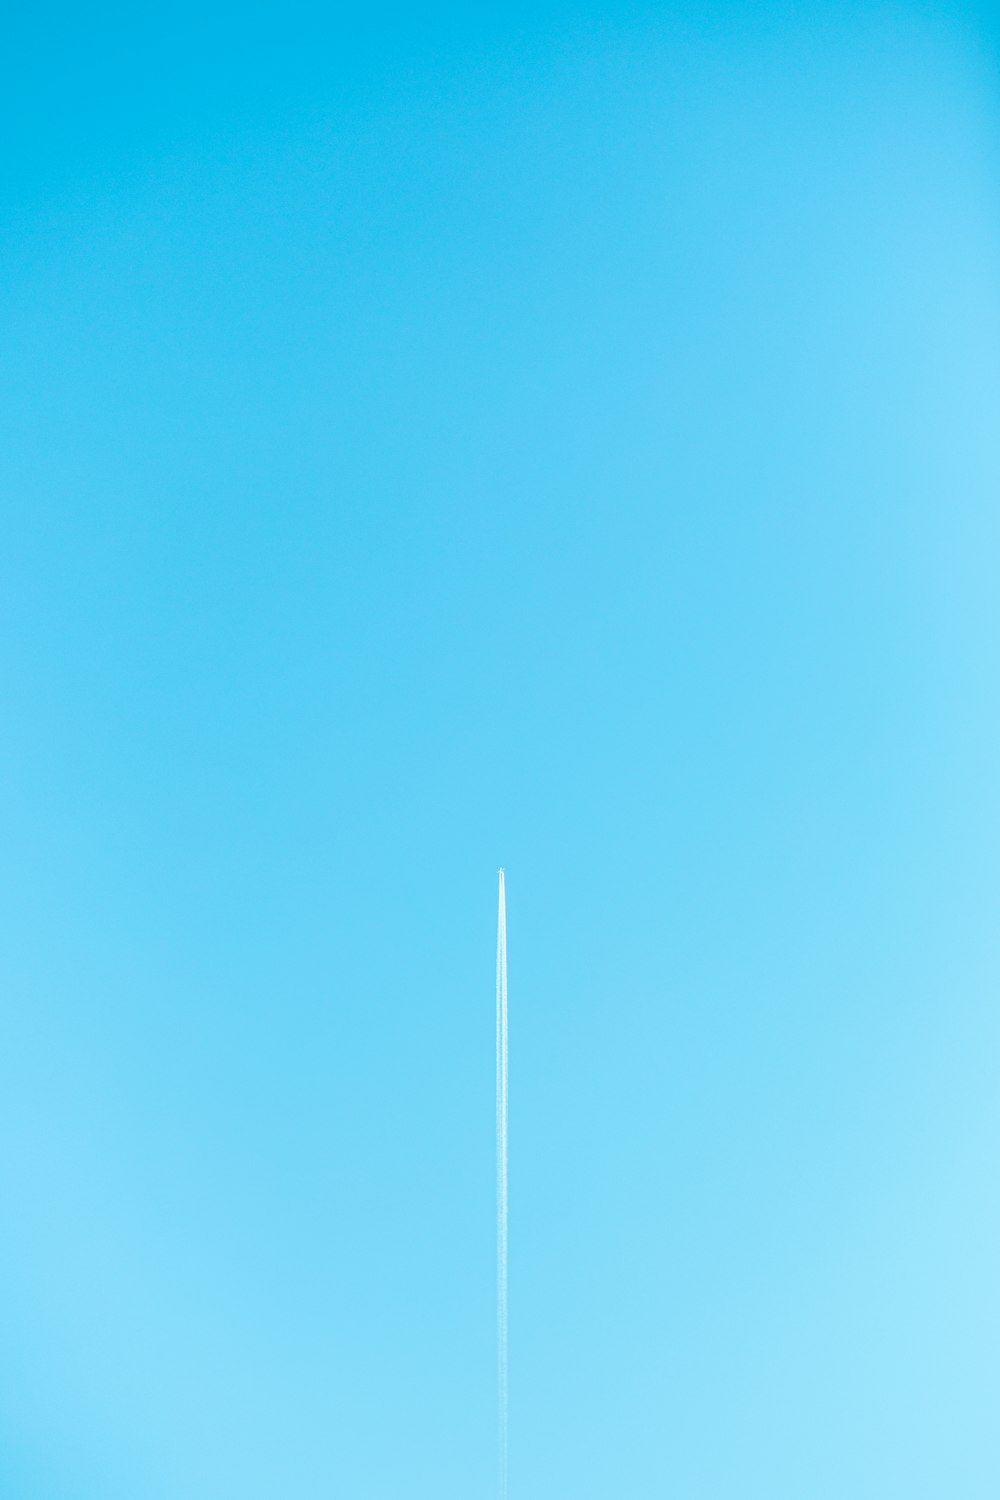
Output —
<point x="559" y="436"/>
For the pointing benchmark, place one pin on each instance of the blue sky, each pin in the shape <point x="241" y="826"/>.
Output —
<point x="565" y="437"/>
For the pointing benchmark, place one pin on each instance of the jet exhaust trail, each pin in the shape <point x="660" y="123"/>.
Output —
<point x="502" y="1184"/>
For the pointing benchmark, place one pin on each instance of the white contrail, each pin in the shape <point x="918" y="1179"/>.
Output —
<point x="502" y="1184"/>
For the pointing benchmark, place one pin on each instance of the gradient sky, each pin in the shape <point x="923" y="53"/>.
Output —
<point x="564" y="436"/>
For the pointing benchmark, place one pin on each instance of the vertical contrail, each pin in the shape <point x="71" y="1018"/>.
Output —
<point x="502" y="1184"/>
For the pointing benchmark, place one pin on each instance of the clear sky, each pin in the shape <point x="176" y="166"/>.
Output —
<point x="565" y="437"/>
